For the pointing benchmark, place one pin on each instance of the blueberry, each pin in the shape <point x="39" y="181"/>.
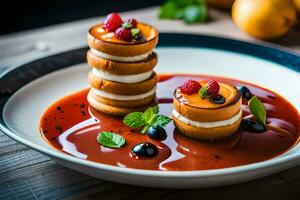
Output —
<point x="145" y="149"/>
<point x="219" y="99"/>
<point x="252" y="126"/>
<point x="157" y="133"/>
<point x="246" y="94"/>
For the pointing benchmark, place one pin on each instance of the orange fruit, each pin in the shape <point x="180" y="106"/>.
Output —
<point x="264" y="19"/>
<point x="297" y="4"/>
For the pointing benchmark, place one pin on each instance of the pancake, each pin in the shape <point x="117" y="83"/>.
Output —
<point x="197" y="109"/>
<point x="122" y="103"/>
<point x="123" y="88"/>
<point x="207" y="133"/>
<point x="115" y="110"/>
<point x="107" y="43"/>
<point x="122" y="68"/>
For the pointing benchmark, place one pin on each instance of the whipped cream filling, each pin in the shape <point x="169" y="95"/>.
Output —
<point x="207" y="124"/>
<point x="124" y="97"/>
<point x="120" y="58"/>
<point x="135" y="78"/>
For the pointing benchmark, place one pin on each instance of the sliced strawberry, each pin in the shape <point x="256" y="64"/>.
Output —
<point x="112" y="22"/>
<point x="190" y="87"/>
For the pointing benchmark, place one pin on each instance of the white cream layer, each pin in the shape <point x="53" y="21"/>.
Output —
<point x="135" y="78"/>
<point x="120" y="58"/>
<point x="124" y="97"/>
<point x="207" y="124"/>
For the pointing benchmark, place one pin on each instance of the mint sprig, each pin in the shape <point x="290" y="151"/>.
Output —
<point x="144" y="120"/>
<point x="162" y="121"/>
<point x="195" y="13"/>
<point x="191" y="11"/>
<point x="258" y="110"/>
<point x="110" y="139"/>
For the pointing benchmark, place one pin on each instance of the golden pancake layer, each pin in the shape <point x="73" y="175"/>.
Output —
<point x="122" y="79"/>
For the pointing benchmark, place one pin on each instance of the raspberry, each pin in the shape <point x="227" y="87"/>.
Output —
<point x="132" y="21"/>
<point x="190" y="87"/>
<point x="213" y="87"/>
<point x="112" y="22"/>
<point x="123" y="34"/>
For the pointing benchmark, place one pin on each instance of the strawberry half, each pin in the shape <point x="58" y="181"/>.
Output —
<point x="190" y="87"/>
<point x="211" y="89"/>
<point x="112" y="22"/>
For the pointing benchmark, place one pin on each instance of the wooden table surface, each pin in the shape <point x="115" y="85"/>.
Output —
<point x="27" y="174"/>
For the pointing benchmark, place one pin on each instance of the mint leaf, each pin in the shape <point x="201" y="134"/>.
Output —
<point x="258" y="110"/>
<point x="203" y="92"/>
<point x="149" y="116"/>
<point x="161" y="120"/>
<point x="179" y="14"/>
<point x="134" y="120"/>
<point x="135" y="31"/>
<point x="127" y="25"/>
<point x="150" y="113"/>
<point x="195" y="13"/>
<point x="110" y="139"/>
<point x="190" y="10"/>
<point x="168" y="10"/>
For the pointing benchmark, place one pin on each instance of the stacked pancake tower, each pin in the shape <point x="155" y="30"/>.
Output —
<point x="122" y="79"/>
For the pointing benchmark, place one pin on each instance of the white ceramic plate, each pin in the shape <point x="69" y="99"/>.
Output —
<point x="51" y="78"/>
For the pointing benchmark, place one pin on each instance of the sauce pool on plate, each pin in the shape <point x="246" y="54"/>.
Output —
<point x="71" y="125"/>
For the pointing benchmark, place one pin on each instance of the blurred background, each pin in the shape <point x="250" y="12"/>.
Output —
<point x="258" y="18"/>
<point x="24" y="15"/>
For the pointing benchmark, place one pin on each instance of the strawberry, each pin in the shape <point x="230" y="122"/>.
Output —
<point x="132" y="21"/>
<point x="112" y="22"/>
<point x="190" y="87"/>
<point x="123" y="34"/>
<point x="213" y="87"/>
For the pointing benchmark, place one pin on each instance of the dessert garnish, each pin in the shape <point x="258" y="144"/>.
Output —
<point x="211" y="89"/>
<point x="145" y="149"/>
<point x="132" y="21"/>
<point x="110" y="139"/>
<point x="126" y="31"/>
<point x="123" y="34"/>
<point x="259" y="112"/>
<point x="219" y="99"/>
<point x="112" y="22"/>
<point x="147" y="119"/>
<point x="246" y="94"/>
<point x="157" y="133"/>
<point x="190" y="87"/>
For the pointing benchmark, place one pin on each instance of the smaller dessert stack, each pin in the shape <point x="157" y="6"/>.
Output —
<point x="207" y="109"/>
<point x="122" y="60"/>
